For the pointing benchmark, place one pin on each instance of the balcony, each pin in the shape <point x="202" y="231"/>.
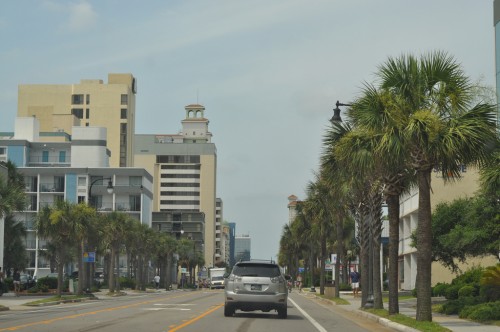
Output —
<point x="39" y="161"/>
<point x="51" y="188"/>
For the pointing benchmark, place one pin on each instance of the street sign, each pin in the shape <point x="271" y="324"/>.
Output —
<point x="89" y="257"/>
<point x="301" y="269"/>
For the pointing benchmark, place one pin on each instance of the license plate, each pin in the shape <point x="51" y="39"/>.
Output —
<point x="256" y="287"/>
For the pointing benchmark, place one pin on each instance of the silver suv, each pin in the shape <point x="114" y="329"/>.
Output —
<point x="256" y="285"/>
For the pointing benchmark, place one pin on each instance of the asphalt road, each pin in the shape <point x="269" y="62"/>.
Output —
<point x="185" y="311"/>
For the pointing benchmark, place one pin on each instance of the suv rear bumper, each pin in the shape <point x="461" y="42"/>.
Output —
<point x="250" y="302"/>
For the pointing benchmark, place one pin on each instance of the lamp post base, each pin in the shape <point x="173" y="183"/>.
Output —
<point x="369" y="302"/>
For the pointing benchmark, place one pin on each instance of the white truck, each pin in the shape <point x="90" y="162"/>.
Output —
<point x="216" y="276"/>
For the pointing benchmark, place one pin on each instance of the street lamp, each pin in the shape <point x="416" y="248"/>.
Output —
<point x="370" y="299"/>
<point x="109" y="188"/>
<point x="336" y="112"/>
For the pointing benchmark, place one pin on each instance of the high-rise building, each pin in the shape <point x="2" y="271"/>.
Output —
<point x="232" y="239"/>
<point x="184" y="171"/>
<point x="60" y="107"/>
<point x="242" y="247"/>
<point x="219" y="244"/>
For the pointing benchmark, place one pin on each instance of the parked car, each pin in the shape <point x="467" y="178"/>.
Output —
<point x="256" y="285"/>
<point x="27" y="281"/>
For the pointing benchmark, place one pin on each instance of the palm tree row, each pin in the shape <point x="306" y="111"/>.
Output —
<point x="422" y="114"/>
<point x="73" y="229"/>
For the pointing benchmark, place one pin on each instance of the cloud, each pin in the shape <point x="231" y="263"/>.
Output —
<point x="81" y="16"/>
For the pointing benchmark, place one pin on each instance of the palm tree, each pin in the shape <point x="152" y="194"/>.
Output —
<point x="441" y="128"/>
<point x="375" y="117"/>
<point x="57" y="224"/>
<point x="12" y="193"/>
<point x="115" y="229"/>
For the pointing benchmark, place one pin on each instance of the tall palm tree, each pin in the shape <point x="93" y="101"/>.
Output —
<point x="115" y="225"/>
<point x="442" y="128"/>
<point x="375" y="117"/>
<point x="12" y="193"/>
<point x="57" y="224"/>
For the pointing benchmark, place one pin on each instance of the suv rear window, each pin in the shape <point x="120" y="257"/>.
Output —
<point x="256" y="270"/>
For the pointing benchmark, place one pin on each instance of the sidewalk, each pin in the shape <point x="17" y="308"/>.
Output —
<point x="408" y="308"/>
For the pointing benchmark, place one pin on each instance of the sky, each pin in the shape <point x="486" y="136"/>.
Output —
<point x="267" y="71"/>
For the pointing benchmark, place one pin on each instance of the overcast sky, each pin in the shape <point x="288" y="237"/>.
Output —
<point x="267" y="71"/>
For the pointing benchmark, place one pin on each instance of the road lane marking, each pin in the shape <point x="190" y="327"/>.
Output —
<point x="306" y="315"/>
<point x="191" y="321"/>
<point x="53" y="320"/>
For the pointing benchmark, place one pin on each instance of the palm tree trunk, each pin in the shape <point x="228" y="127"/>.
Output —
<point x="111" y="279"/>
<point x="117" y="257"/>
<point x="364" y="236"/>
<point x="340" y="254"/>
<point x="424" y="247"/>
<point x="322" y="264"/>
<point x="60" y="268"/>
<point x="393" y="211"/>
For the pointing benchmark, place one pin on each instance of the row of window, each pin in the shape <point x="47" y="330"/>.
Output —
<point x="78" y="99"/>
<point x="180" y="193"/>
<point x="170" y="202"/>
<point x="177" y="159"/>
<point x="181" y="176"/>
<point x="195" y="167"/>
<point x="78" y="112"/>
<point x="181" y="184"/>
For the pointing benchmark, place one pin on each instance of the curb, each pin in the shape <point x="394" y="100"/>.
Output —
<point x="382" y="321"/>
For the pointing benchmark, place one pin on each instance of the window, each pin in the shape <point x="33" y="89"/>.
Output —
<point x="62" y="156"/>
<point x="135" y="202"/>
<point x="124" y="99"/>
<point x="81" y="199"/>
<point x="3" y="153"/>
<point x="87" y="99"/>
<point x="135" y="181"/>
<point x="123" y="114"/>
<point x="82" y="181"/>
<point x="87" y="113"/>
<point x="45" y="156"/>
<point x="77" y="99"/>
<point x="78" y="112"/>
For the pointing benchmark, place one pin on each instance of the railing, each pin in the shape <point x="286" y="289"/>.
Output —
<point x="128" y="207"/>
<point x="51" y="187"/>
<point x="49" y="160"/>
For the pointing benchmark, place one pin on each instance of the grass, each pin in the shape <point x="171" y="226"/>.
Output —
<point x="385" y="298"/>
<point x="408" y="321"/>
<point x="57" y="299"/>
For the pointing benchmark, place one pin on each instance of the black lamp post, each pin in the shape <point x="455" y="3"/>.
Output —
<point x="110" y="190"/>
<point x="369" y="300"/>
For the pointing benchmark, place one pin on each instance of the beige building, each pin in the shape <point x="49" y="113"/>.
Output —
<point x="441" y="192"/>
<point x="184" y="167"/>
<point x="92" y="103"/>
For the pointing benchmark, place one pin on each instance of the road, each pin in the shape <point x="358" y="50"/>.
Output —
<point x="185" y="311"/>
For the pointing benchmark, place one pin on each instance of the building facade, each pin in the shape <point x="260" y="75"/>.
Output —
<point x="184" y="167"/>
<point x="60" y="108"/>
<point x="242" y="248"/>
<point x="76" y="170"/>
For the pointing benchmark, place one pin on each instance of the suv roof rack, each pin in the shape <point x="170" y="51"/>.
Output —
<point x="258" y="260"/>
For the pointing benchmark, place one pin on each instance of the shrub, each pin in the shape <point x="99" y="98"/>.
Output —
<point x="127" y="282"/>
<point x="471" y="276"/>
<point x="451" y="292"/>
<point x="466" y="291"/>
<point x="439" y="289"/>
<point x="482" y="312"/>
<point x="414" y="292"/>
<point x="49" y="282"/>
<point x="345" y="287"/>
<point x="490" y="284"/>
<point x="454" y="307"/>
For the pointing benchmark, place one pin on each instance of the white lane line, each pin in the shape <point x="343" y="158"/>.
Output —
<point x="313" y="322"/>
<point x="174" y="304"/>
